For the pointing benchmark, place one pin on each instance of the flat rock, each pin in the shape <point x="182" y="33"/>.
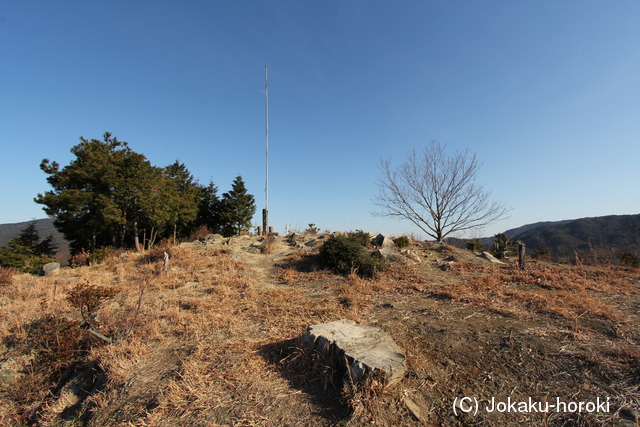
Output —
<point x="488" y="256"/>
<point x="367" y="350"/>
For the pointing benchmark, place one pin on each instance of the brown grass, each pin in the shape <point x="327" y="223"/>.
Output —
<point x="207" y="344"/>
<point x="568" y="292"/>
<point x="6" y="275"/>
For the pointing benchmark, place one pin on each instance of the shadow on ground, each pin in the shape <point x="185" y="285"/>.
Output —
<point x="310" y="373"/>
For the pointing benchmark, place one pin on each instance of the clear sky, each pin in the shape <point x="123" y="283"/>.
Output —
<point x="547" y="94"/>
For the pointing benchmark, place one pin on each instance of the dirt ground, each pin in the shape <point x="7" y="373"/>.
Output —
<point x="217" y="341"/>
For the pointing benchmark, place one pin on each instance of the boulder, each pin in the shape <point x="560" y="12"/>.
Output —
<point x="488" y="256"/>
<point x="388" y="255"/>
<point x="51" y="269"/>
<point x="367" y="351"/>
<point x="294" y="238"/>
<point x="383" y="241"/>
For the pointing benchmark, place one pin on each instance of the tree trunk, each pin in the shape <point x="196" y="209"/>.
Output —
<point x="175" y="232"/>
<point x="136" y="239"/>
<point x="152" y="237"/>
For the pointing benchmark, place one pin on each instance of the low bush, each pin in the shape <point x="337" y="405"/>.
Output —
<point x="81" y="259"/>
<point x="402" y="242"/>
<point x="474" y="245"/>
<point x="312" y="229"/>
<point x="200" y="232"/>
<point x="346" y="253"/>
<point x="361" y="237"/>
<point x="88" y="298"/>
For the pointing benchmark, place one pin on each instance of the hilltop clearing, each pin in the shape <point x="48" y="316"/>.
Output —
<point x="216" y="340"/>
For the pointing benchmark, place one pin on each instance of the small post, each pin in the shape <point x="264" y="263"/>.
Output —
<point x="521" y="254"/>
<point x="166" y="262"/>
<point x="265" y="221"/>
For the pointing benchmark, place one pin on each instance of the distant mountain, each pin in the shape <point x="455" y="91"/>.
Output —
<point x="613" y="233"/>
<point x="515" y="232"/>
<point x="45" y="228"/>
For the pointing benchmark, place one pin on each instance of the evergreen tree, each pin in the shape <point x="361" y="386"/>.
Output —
<point x="27" y="252"/>
<point x="237" y="209"/>
<point x="185" y="193"/>
<point x="209" y="208"/>
<point x="106" y="193"/>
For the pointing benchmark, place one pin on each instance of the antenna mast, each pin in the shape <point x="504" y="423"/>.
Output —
<point x="265" y="212"/>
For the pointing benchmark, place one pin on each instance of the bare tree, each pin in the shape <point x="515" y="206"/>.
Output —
<point x="436" y="192"/>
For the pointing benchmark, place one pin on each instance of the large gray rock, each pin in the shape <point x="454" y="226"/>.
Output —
<point x="383" y="241"/>
<point x="367" y="350"/>
<point x="388" y="255"/>
<point x="51" y="268"/>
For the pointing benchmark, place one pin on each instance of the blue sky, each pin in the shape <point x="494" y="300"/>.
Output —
<point x="546" y="93"/>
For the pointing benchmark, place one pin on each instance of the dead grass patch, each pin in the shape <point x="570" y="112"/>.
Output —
<point x="567" y="292"/>
<point x="205" y="343"/>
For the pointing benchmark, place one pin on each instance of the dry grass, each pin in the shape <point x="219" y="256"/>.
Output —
<point x="205" y="344"/>
<point x="568" y="292"/>
<point x="6" y="275"/>
<point x="206" y="303"/>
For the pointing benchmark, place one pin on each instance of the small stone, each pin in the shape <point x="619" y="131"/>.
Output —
<point x="415" y="409"/>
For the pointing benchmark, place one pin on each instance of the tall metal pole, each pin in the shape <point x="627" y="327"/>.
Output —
<point x="265" y="213"/>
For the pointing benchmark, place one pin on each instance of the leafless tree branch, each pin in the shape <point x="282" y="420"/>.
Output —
<point x="436" y="192"/>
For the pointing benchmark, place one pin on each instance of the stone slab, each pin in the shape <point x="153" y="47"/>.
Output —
<point x="486" y="255"/>
<point x="368" y="350"/>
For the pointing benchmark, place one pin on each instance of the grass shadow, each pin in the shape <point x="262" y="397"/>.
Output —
<point x="310" y="373"/>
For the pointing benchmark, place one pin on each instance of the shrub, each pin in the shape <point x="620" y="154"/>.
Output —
<point x="402" y="242"/>
<point x="474" y="245"/>
<point x="503" y="246"/>
<point x="345" y="254"/>
<point x="200" y="232"/>
<point x="80" y="259"/>
<point x="88" y="299"/>
<point x="360" y="237"/>
<point x="312" y="229"/>
<point x="543" y="254"/>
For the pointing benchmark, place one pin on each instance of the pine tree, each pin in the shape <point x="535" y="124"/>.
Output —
<point x="209" y="208"/>
<point x="237" y="209"/>
<point x="107" y="193"/>
<point x="184" y="192"/>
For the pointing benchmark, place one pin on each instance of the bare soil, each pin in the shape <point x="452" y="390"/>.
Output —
<point x="217" y="341"/>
